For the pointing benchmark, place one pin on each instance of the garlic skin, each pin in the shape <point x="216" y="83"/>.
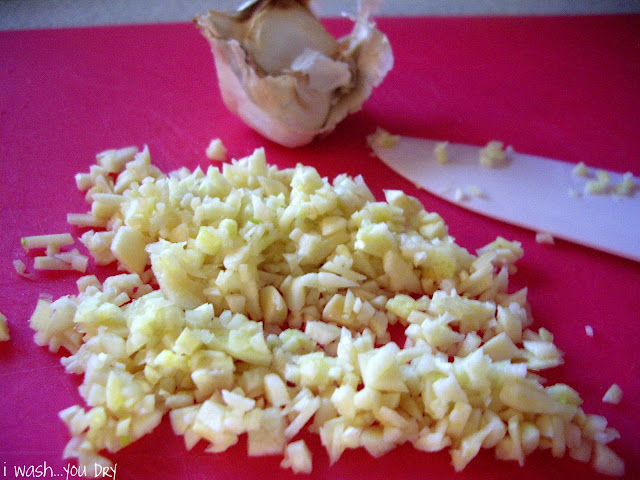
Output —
<point x="285" y="76"/>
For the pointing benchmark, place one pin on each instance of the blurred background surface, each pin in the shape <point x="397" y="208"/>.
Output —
<point x="28" y="14"/>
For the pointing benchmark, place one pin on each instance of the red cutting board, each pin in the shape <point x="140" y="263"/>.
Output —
<point x="559" y="87"/>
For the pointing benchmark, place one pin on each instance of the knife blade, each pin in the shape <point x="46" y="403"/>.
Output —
<point x="537" y="193"/>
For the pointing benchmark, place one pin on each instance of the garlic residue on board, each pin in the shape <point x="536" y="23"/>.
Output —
<point x="285" y="75"/>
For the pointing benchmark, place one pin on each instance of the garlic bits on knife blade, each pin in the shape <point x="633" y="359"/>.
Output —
<point x="285" y="76"/>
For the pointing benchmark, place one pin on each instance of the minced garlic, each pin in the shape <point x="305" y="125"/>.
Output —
<point x="276" y="291"/>
<point x="440" y="152"/>
<point x="613" y="394"/>
<point x="493" y="154"/>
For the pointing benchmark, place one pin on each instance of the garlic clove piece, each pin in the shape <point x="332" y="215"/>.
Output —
<point x="285" y="76"/>
<point x="277" y="36"/>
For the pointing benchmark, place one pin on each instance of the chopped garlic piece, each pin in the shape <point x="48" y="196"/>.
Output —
<point x="297" y="457"/>
<point x="50" y="263"/>
<point x="492" y="155"/>
<point x="627" y="186"/>
<point x="54" y="260"/>
<point x="4" y="328"/>
<point x="580" y="170"/>
<point x="21" y="268"/>
<point x="45" y="241"/>
<point x="440" y="151"/>
<point x="588" y="330"/>
<point x="465" y="194"/>
<point x="84" y="220"/>
<point x="545" y="237"/>
<point x="459" y="195"/>
<point x="75" y="259"/>
<point x="607" y="462"/>
<point x="323" y="333"/>
<point x="216" y="150"/>
<point x="600" y="185"/>
<point x="613" y="394"/>
<point x="114" y="161"/>
<point x="475" y="191"/>
<point x="382" y="138"/>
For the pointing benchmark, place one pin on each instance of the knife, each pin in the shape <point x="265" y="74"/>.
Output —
<point x="537" y="193"/>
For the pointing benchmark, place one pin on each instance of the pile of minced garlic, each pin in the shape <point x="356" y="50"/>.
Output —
<point x="276" y="292"/>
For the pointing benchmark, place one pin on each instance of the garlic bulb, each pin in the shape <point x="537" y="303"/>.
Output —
<point x="285" y="76"/>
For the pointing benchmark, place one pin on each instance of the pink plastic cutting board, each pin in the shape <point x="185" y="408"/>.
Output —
<point x="556" y="87"/>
